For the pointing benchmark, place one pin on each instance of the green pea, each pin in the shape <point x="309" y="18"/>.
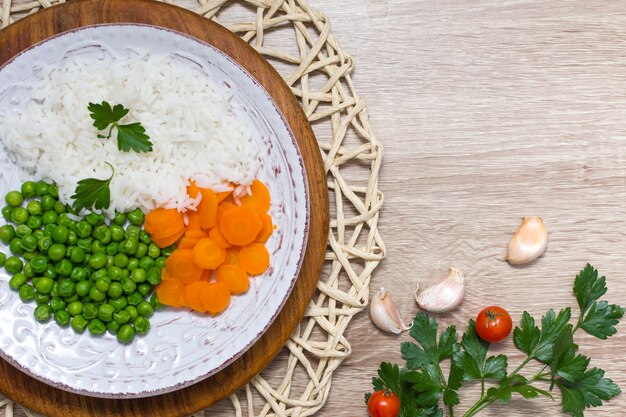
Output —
<point x="14" y="198"/>
<point x="15" y="246"/>
<point x="146" y="263"/>
<point x="154" y="302"/>
<point x="19" y="215"/>
<point x="99" y="274"/>
<point x="47" y="203"/>
<point x="13" y="265"/>
<point x="142" y="250"/>
<point x="94" y="219"/>
<point x="64" y="267"/>
<point x="103" y="234"/>
<point x="144" y="289"/>
<point x="112" y="248"/>
<point x="57" y="304"/>
<point x="96" y="327"/>
<point x="39" y="264"/>
<point x="48" y="228"/>
<point x="129" y="285"/>
<point x="144" y="237"/>
<point x="56" y="252"/>
<point x="42" y="298"/>
<point x="50" y="272"/>
<point x="53" y="190"/>
<point x="79" y="323"/>
<point x="97" y="260"/>
<point x="125" y="273"/>
<point x="3" y="259"/>
<point x="34" y="222"/>
<point x="78" y="274"/>
<point x="133" y="263"/>
<point x="54" y="293"/>
<point x="23" y="230"/>
<point x="85" y="245"/>
<point x="66" y="288"/>
<point x="7" y="233"/>
<point x="119" y="303"/>
<point x="110" y="261"/>
<point x="132" y="312"/>
<point x="96" y="295"/>
<point x="105" y="312"/>
<point x="60" y="234"/>
<point x="119" y="219"/>
<point x="126" y="333"/>
<point x="49" y="217"/>
<point x="72" y="238"/>
<point x="145" y="309"/>
<point x="38" y="234"/>
<point x="75" y="308"/>
<point x="28" y="243"/>
<point x="134" y="298"/>
<point x="102" y="284"/>
<point x="83" y="287"/>
<point x="17" y="280"/>
<point x="62" y="317"/>
<point x="71" y="299"/>
<point x="27" y="293"/>
<point x="43" y="313"/>
<point x="59" y="207"/>
<point x="30" y="255"/>
<point x="142" y="325"/>
<point x="121" y="317"/>
<point x="138" y="275"/>
<point x="83" y="229"/>
<point x="113" y="327"/>
<point x="78" y="255"/>
<point x="44" y="243"/>
<point x="117" y="233"/>
<point x="44" y="285"/>
<point x="7" y="213"/>
<point x="90" y="311"/>
<point x="115" y="290"/>
<point x="34" y="208"/>
<point x="129" y="246"/>
<point x="167" y="251"/>
<point x="154" y="251"/>
<point x="132" y="232"/>
<point x="121" y="260"/>
<point x="136" y="217"/>
<point x="42" y="188"/>
<point x="98" y="247"/>
<point x="64" y="220"/>
<point x="28" y="189"/>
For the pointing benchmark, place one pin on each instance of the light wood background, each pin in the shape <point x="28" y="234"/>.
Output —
<point x="490" y="111"/>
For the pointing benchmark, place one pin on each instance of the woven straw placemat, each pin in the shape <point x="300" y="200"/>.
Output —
<point x="318" y="71"/>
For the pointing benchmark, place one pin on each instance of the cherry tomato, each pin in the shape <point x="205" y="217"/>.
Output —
<point x="383" y="403"/>
<point x="493" y="324"/>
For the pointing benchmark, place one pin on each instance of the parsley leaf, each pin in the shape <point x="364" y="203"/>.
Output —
<point x="590" y="390"/>
<point x="424" y="331"/>
<point x="537" y="343"/>
<point x="427" y="385"/>
<point x="473" y="358"/>
<point x="515" y="383"/>
<point x="588" y="288"/>
<point x="93" y="193"/>
<point x="129" y="137"/>
<point x="565" y="362"/>
<point x="455" y="380"/>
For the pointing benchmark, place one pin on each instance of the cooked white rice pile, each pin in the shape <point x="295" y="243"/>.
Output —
<point x="187" y="115"/>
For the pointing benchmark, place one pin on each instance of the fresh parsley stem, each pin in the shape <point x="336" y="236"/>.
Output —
<point x="520" y="366"/>
<point x="444" y="385"/>
<point x="480" y="404"/>
<point x="451" y="408"/>
<point x="482" y="388"/>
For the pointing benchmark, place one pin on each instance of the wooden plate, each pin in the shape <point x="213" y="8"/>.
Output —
<point x="54" y="402"/>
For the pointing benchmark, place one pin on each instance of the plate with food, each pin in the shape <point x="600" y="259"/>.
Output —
<point x="160" y="197"/>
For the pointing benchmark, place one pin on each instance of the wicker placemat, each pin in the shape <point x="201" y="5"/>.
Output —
<point x="318" y="71"/>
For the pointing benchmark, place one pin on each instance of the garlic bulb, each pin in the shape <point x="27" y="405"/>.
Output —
<point x="443" y="296"/>
<point x="529" y="242"/>
<point x="385" y="314"/>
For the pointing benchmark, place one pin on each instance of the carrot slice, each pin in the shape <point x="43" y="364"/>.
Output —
<point x="207" y="274"/>
<point x="196" y="234"/>
<point x="240" y="225"/>
<point x="193" y="295"/>
<point x="223" y="195"/>
<point x="169" y="292"/>
<point x="163" y="222"/>
<point x="180" y="265"/>
<point x="215" y="297"/>
<point x="224" y="207"/>
<point x="234" y="277"/>
<point x="187" y="242"/>
<point x="267" y="229"/>
<point x="260" y="197"/>
<point x="232" y="256"/>
<point x="192" y="189"/>
<point x="207" y="255"/>
<point x="207" y="210"/>
<point x="254" y="258"/>
<point x="193" y="220"/>
<point x="219" y="238"/>
<point x="164" y="242"/>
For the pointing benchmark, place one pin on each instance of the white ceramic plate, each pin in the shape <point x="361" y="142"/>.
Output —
<point x="182" y="347"/>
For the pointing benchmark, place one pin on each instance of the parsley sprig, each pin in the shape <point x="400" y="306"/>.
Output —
<point x="93" y="193"/>
<point x="422" y="386"/>
<point x="129" y="136"/>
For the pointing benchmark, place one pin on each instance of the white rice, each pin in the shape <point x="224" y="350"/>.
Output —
<point x="188" y="117"/>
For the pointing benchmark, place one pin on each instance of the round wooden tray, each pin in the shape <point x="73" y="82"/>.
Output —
<point x="53" y="402"/>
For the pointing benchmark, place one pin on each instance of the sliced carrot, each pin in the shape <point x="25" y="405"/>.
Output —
<point x="164" y="242"/>
<point x="192" y="189"/>
<point x="207" y="255"/>
<point x="207" y="210"/>
<point x="196" y="234"/>
<point x="224" y="206"/>
<point x="207" y="275"/>
<point x="180" y="265"/>
<point x="169" y="292"/>
<point x="193" y="295"/>
<point x="219" y="238"/>
<point x="215" y="297"/>
<point x="193" y="220"/>
<point x="240" y="225"/>
<point x="267" y="229"/>
<point x="260" y="197"/>
<point x="187" y="242"/>
<point x="163" y="222"/>
<point x="234" y="277"/>
<point x="254" y="258"/>
<point x="232" y="256"/>
<point x="223" y="195"/>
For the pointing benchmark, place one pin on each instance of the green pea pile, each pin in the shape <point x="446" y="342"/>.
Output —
<point x="84" y="273"/>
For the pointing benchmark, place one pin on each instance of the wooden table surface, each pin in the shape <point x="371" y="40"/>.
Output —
<point x="490" y="111"/>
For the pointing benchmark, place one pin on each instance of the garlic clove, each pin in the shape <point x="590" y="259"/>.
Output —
<point x="385" y="314"/>
<point x="529" y="241"/>
<point x="444" y="296"/>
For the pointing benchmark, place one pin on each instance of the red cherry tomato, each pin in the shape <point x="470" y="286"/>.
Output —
<point x="493" y="324"/>
<point x="383" y="403"/>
